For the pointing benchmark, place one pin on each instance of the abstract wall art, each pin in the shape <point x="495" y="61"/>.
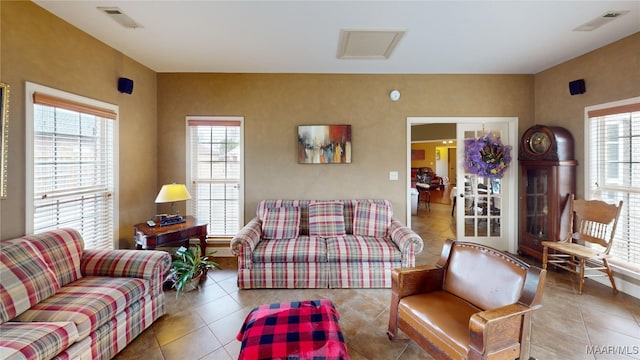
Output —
<point x="324" y="144"/>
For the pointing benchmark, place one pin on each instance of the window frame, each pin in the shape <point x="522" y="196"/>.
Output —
<point x="632" y="270"/>
<point x="189" y="177"/>
<point x="30" y="89"/>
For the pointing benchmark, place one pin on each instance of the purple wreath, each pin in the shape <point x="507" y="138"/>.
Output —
<point x="486" y="156"/>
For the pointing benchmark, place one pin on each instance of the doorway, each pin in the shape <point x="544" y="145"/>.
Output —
<point x="505" y="236"/>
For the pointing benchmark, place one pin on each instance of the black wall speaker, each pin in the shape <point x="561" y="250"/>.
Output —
<point x="125" y="85"/>
<point x="577" y="87"/>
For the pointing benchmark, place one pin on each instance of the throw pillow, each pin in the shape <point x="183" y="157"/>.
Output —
<point x="371" y="219"/>
<point x="326" y="219"/>
<point x="281" y="223"/>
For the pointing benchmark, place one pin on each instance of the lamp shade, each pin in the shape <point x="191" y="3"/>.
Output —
<point x="173" y="192"/>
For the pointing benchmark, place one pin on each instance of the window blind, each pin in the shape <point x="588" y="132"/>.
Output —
<point x="56" y="102"/>
<point x="215" y="174"/>
<point x="614" y="154"/>
<point x="73" y="169"/>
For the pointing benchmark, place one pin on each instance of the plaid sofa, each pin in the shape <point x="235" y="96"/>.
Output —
<point x="323" y="244"/>
<point x="61" y="301"/>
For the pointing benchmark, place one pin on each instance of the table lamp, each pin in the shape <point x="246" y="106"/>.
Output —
<point x="172" y="193"/>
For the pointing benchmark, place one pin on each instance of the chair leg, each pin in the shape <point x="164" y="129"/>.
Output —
<point x="392" y="330"/>
<point x="610" y="273"/>
<point x="581" y="275"/>
<point x="545" y="255"/>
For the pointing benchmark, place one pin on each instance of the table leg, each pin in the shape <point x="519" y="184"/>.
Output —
<point x="203" y="244"/>
<point x="453" y="208"/>
<point x="429" y="200"/>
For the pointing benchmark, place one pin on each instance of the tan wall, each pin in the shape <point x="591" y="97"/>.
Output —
<point x="274" y="104"/>
<point x="38" y="47"/>
<point x="611" y="73"/>
<point x="429" y="160"/>
<point x="433" y="132"/>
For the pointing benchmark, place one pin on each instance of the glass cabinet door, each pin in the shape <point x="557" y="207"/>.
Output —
<point x="537" y="203"/>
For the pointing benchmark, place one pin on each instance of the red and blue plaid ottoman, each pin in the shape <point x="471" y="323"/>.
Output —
<point x="293" y="330"/>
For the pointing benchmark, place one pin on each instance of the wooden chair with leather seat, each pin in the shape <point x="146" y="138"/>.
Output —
<point x="587" y="245"/>
<point x="475" y="303"/>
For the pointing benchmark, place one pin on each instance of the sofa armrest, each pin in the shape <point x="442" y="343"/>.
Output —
<point x="245" y="241"/>
<point x="500" y="330"/>
<point x="407" y="241"/>
<point x="149" y="264"/>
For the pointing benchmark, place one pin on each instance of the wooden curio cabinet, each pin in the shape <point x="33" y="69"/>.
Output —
<point x="548" y="176"/>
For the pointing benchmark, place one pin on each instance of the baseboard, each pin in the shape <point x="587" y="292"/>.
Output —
<point x="219" y="245"/>
<point x="220" y="251"/>
<point x="625" y="284"/>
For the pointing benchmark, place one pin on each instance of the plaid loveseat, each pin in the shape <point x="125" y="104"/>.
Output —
<point x="59" y="300"/>
<point x="323" y="244"/>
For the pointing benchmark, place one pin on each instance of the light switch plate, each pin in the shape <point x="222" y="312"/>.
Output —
<point x="393" y="175"/>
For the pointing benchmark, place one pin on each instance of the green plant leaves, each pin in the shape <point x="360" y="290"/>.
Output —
<point x="188" y="264"/>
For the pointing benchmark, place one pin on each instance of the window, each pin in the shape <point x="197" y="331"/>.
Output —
<point x="612" y="140"/>
<point x="70" y="164"/>
<point x="215" y="172"/>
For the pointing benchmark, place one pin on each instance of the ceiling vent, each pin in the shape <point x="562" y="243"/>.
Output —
<point x="601" y="20"/>
<point x="368" y="44"/>
<point x="118" y="16"/>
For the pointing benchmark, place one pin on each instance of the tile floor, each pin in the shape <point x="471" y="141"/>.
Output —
<point x="202" y="324"/>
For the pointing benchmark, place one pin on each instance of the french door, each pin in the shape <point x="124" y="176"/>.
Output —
<point x="486" y="210"/>
<point x="486" y="207"/>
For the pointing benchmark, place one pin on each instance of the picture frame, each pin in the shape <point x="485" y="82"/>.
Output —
<point x="417" y="154"/>
<point x="324" y="144"/>
<point x="4" y="137"/>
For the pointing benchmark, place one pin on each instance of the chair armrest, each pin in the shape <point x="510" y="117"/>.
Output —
<point x="245" y="241"/>
<point x="416" y="280"/>
<point x="149" y="264"/>
<point x="500" y="329"/>
<point x="411" y="281"/>
<point x="407" y="241"/>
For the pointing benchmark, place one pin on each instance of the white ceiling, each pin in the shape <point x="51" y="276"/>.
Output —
<point x="442" y="37"/>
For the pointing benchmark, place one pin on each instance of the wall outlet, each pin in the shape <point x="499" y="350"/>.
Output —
<point x="393" y="175"/>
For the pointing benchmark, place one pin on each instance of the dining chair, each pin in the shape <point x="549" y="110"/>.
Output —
<point x="592" y="226"/>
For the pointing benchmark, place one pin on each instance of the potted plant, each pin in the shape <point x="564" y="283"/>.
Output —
<point x="188" y="267"/>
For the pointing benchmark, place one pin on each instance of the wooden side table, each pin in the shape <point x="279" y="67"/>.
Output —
<point x="151" y="237"/>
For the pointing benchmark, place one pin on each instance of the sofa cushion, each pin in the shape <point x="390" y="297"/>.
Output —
<point x="26" y="278"/>
<point x="301" y="249"/>
<point x="281" y="223"/>
<point x="350" y="209"/>
<point x="61" y="249"/>
<point x="326" y="218"/>
<point x="358" y="248"/>
<point x="35" y="340"/>
<point x="88" y="302"/>
<point x="265" y="205"/>
<point x="371" y="219"/>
